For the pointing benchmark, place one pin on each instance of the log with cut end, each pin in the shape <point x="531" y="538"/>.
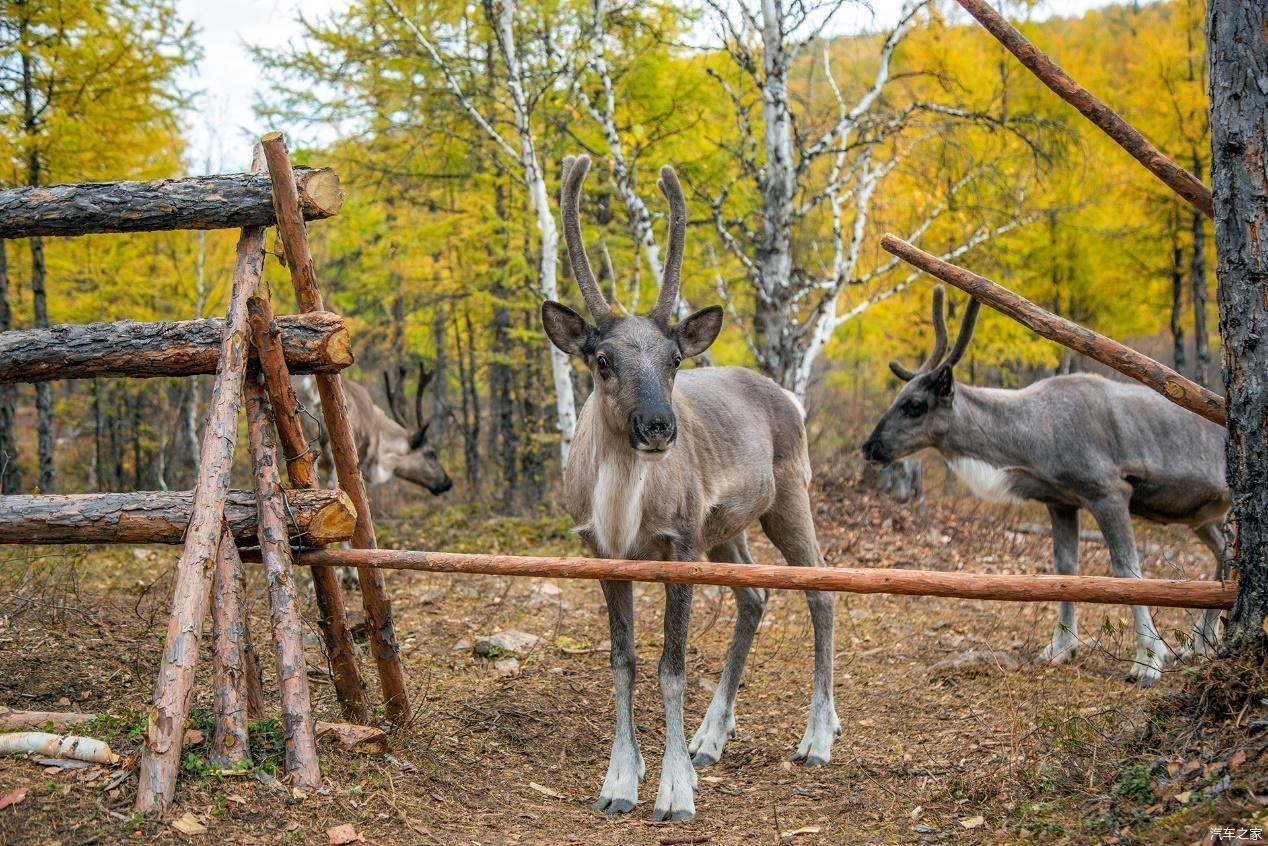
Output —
<point x="11" y="720"/>
<point x="48" y="745"/>
<point x="316" y="342"/>
<point x="222" y="201"/>
<point x="316" y="517"/>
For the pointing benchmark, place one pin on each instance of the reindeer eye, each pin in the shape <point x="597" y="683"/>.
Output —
<point x="602" y="361"/>
<point x="677" y="360"/>
<point x="915" y="408"/>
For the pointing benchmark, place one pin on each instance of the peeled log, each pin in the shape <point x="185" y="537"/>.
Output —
<point x="315" y="517"/>
<point x="223" y="201"/>
<point x="316" y="342"/>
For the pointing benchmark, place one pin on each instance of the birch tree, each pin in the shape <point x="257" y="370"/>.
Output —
<point x="801" y="174"/>
<point x="521" y="149"/>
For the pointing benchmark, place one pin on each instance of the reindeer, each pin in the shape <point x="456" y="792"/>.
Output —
<point x="1071" y="442"/>
<point x="668" y="465"/>
<point x="387" y="447"/>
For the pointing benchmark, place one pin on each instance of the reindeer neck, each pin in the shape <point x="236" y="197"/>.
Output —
<point x="991" y="425"/>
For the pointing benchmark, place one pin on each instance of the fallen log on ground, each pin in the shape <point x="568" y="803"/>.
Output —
<point x="222" y="201"/>
<point x="57" y="746"/>
<point x="1175" y="387"/>
<point x="11" y="720"/>
<point x="1175" y="593"/>
<point x="315" y="517"/>
<point x="316" y="342"/>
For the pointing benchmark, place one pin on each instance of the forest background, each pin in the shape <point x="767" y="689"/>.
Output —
<point x="797" y="150"/>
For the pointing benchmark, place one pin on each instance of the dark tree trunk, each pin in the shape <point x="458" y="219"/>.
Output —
<point x="10" y="481"/>
<point x="1201" y="343"/>
<point x="1177" y="300"/>
<point x="43" y="391"/>
<point x="501" y="404"/>
<point x="226" y="201"/>
<point x="440" y="381"/>
<point x="1237" y="31"/>
<point x="471" y="441"/>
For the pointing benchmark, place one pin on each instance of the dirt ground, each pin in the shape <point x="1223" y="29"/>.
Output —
<point x="988" y="752"/>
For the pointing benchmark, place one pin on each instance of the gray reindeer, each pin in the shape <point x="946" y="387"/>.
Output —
<point x="669" y="465"/>
<point x="1071" y="442"/>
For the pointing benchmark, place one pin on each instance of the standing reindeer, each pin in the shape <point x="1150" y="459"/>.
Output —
<point x="1070" y="442"/>
<point x="668" y="466"/>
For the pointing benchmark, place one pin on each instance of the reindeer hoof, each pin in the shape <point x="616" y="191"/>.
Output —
<point x="663" y="815"/>
<point x="702" y="760"/>
<point x="613" y="807"/>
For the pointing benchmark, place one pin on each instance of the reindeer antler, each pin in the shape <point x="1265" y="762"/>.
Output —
<point x="424" y="377"/>
<point x="575" y="170"/>
<point x="936" y="358"/>
<point x="393" y="400"/>
<point x="671" y="279"/>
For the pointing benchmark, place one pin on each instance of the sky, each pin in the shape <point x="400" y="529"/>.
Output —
<point x="222" y="126"/>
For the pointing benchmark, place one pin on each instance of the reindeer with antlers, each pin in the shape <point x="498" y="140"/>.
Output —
<point x="1071" y="442"/>
<point x="667" y="466"/>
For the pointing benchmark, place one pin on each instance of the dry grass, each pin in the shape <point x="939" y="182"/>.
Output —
<point x="1053" y="754"/>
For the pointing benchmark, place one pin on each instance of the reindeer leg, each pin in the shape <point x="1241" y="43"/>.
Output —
<point x="1116" y="525"/>
<point x="625" y="767"/>
<point x="675" y="796"/>
<point x="1065" y="557"/>
<point x="1206" y="632"/>
<point x="790" y="527"/>
<point x="718" y="725"/>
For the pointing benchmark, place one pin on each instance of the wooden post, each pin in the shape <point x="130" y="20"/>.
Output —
<point x="311" y="343"/>
<point x="1175" y="593"/>
<point x="334" y="407"/>
<point x="1183" y="392"/>
<point x="229" y="673"/>
<point x="223" y="201"/>
<point x="160" y="757"/>
<point x="1090" y="106"/>
<point x="315" y="517"/>
<point x="292" y="671"/>
<point x="333" y="619"/>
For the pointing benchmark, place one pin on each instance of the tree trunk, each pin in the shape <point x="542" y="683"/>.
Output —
<point x="500" y="404"/>
<point x="43" y="391"/>
<point x="1238" y="55"/>
<point x="312" y="343"/>
<point x="470" y="405"/>
<point x="225" y="201"/>
<point x="440" y="379"/>
<point x="10" y="480"/>
<point x="1201" y="342"/>
<point x="1177" y="301"/>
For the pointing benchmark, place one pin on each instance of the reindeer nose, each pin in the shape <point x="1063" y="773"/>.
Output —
<point x="653" y="430"/>
<point x="875" y="450"/>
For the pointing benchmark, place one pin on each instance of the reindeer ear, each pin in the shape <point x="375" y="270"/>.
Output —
<point x="566" y="329"/>
<point x="698" y="331"/>
<point x="942" y="381"/>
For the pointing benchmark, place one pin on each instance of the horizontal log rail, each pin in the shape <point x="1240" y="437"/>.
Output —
<point x="222" y="201"/>
<point x="1091" y="107"/>
<point x="316" y="342"/>
<point x="1174" y="593"/>
<point x="1183" y="392"/>
<point x="314" y="517"/>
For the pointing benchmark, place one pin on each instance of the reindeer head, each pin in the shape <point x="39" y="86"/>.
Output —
<point x="416" y="460"/>
<point x="633" y="358"/>
<point x="921" y="413"/>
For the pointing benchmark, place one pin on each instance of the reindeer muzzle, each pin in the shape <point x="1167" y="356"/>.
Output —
<point x="653" y="432"/>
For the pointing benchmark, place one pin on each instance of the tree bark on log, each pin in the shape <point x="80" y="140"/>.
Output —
<point x="1183" y="392"/>
<point x="1091" y="107"/>
<point x="229" y="667"/>
<point x="298" y="726"/>
<point x="333" y="619"/>
<point x="312" y="343"/>
<point x="1175" y="593"/>
<point x="223" y="201"/>
<point x="160" y="757"/>
<point x="316" y="517"/>
<point x="1238" y="49"/>
<point x="334" y="408"/>
<point x="41" y="720"/>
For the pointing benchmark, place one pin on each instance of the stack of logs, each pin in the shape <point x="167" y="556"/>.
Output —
<point x="253" y="353"/>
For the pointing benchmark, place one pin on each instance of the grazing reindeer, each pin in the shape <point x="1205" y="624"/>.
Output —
<point x="1070" y="442"/>
<point x="668" y="466"/>
<point x="387" y="447"/>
